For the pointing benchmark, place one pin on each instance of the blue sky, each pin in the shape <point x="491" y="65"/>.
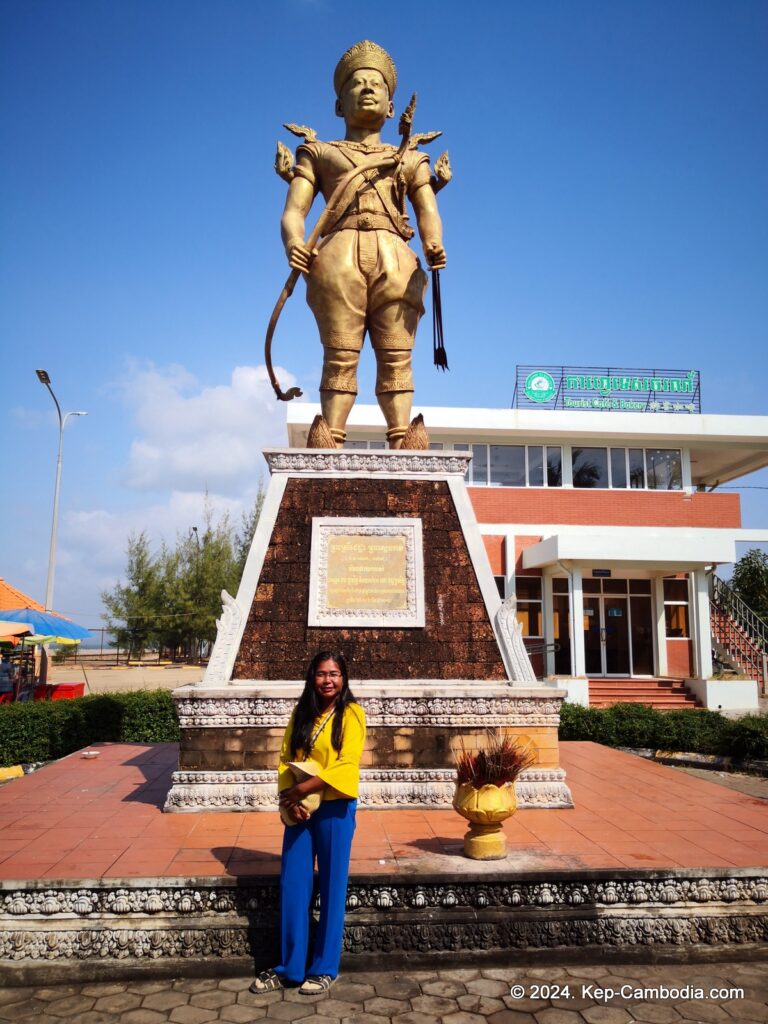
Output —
<point x="608" y="207"/>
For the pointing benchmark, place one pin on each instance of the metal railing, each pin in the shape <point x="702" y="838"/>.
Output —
<point x="741" y="633"/>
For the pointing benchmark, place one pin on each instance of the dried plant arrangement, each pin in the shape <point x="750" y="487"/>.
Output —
<point x="495" y="764"/>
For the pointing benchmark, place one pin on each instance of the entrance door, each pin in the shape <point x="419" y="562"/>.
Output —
<point x="615" y="636"/>
<point x="593" y="629"/>
<point x="618" y="627"/>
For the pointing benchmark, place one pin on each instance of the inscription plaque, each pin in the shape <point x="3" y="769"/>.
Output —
<point x="366" y="572"/>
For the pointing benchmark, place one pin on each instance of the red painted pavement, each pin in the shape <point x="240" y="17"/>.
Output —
<point x="81" y="819"/>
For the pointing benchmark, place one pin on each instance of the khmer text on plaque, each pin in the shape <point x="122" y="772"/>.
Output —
<point x="366" y="572"/>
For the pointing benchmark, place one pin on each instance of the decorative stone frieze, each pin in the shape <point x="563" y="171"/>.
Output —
<point x="504" y="708"/>
<point x="377" y="463"/>
<point x="137" y="921"/>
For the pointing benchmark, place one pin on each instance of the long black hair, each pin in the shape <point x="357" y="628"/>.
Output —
<point x="308" y="708"/>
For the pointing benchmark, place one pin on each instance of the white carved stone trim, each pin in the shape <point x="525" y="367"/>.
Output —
<point x="361" y="463"/>
<point x="379" y="787"/>
<point x="516" y="660"/>
<point x="509" y="633"/>
<point x="459" y="712"/>
<point x="228" y="632"/>
<point x="228" y="642"/>
<point x="326" y="527"/>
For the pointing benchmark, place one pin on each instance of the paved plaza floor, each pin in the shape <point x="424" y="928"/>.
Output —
<point x="103" y="818"/>
<point x="619" y="994"/>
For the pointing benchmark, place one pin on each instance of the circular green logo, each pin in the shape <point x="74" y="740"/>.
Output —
<point x="539" y="386"/>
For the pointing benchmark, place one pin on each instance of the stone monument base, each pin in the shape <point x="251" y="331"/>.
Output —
<point x="231" y="739"/>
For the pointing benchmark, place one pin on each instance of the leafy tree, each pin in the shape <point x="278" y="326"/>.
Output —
<point x="750" y="581"/>
<point x="248" y="523"/>
<point x="133" y="605"/>
<point x="172" y="600"/>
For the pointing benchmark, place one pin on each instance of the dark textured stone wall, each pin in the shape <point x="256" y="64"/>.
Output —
<point x="457" y="641"/>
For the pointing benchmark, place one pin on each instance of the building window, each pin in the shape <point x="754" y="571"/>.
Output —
<point x="501" y="585"/>
<point x="529" y="605"/>
<point x="676" y="608"/>
<point x="514" y="465"/>
<point x="655" y="469"/>
<point x="665" y="471"/>
<point x="507" y="465"/>
<point x="590" y="467"/>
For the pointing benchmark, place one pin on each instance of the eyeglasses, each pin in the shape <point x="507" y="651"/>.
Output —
<point x="328" y="675"/>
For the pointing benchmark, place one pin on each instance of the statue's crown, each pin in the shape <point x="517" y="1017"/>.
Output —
<point x="365" y="54"/>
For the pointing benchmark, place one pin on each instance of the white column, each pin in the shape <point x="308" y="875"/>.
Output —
<point x="578" y="666"/>
<point x="509" y="564"/>
<point x="549" y="620"/>
<point x="662" y="666"/>
<point x="698" y="592"/>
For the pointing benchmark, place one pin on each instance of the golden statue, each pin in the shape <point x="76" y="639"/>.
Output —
<point x="360" y="272"/>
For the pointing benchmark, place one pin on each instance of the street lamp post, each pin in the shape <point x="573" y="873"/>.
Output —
<point x="42" y="376"/>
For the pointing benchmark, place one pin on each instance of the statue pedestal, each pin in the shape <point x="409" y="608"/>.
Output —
<point x="377" y="555"/>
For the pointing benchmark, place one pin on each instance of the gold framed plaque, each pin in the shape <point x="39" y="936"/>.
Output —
<point x="366" y="572"/>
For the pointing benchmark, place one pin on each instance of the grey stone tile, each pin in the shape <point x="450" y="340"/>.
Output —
<point x="438" y="1005"/>
<point x="97" y="1017"/>
<point x="70" y="1007"/>
<point x="247" y="998"/>
<point x="488" y="987"/>
<point x="195" y="985"/>
<point x="366" y="1018"/>
<point x="289" y="1011"/>
<point x="526" y="1005"/>
<point x="702" y="1011"/>
<point x="118" y="1002"/>
<point x="606" y="1015"/>
<point x="449" y="989"/>
<point x="740" y="1008"/>
<point x="352" y="991"/>
<point x="334" y="1007"/>
<point x="24" y="1008"/>
<point x="415" y="1017"/>
<point x="142" y="1016"/>
<point x="166" y="1000"/>
<point x="462" y="1017"/>
<point x="191" y="1015"/>
<point x="146" y="988"/>
<point x="462" y="974"/>
<point x="105" y="989"/>
<point x="213" y="1000"/>
<point x="553" y="1016"/>
<point x="239" y="1014"/>
<point x="386" y="1007"/>
<point x="484" y="1005"/>
<point x="56" y="992"/>
<point x="398" y="987"/>
<point x="654" y="1013"/>
<point x="16" y="995"/>
<point x="234" y="984"/>
<point x="511" y="1017"/>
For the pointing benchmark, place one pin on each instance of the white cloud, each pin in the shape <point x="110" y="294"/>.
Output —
<point x="91" y="554"/>
<point x="195" y="438"/>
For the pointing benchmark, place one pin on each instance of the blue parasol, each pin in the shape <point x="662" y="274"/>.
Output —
<point x="47" y="624"/>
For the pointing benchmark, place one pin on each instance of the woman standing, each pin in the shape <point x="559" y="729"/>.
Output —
<point x="323" y="743"/>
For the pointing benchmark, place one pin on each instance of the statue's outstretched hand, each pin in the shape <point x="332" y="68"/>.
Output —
<point x="300" y="257"/>
<point x="435" y="256"/>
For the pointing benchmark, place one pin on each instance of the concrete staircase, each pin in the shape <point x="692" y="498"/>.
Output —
<point x="662" y="694"/>
<point x="739" y="636"/>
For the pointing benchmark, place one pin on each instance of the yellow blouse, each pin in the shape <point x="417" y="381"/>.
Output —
<point x="340" y="770"/>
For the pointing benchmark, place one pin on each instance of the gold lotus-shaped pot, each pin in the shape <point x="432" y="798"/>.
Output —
<point x="485" y="808"/>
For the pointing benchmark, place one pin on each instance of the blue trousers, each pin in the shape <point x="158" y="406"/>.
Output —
<point x="327" y="835"/>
